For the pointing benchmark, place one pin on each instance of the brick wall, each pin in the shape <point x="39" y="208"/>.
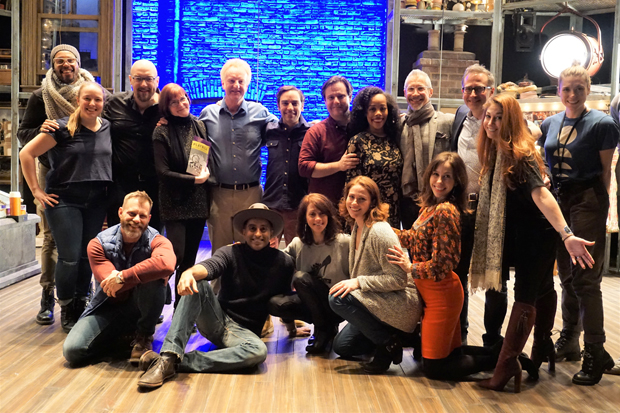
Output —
<point x="453" y="64"/>
<point x="300" y="42"/>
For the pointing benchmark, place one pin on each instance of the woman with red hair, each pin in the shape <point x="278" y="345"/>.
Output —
<point x="516" y="224"/>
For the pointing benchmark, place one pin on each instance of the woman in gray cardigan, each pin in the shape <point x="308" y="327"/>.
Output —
<point x="379" y="299"/>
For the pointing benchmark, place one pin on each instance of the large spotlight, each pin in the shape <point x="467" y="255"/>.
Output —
<point x="569" y="46"/>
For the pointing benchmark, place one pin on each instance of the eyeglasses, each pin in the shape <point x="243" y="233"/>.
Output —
<point x="478" y="89"/>
<point x="176" y="103"/>
<point x="60" y="61"/>
<point x="147" y="79"/>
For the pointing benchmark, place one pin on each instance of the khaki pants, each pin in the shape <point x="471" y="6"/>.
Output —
<point x="225" y="203"/>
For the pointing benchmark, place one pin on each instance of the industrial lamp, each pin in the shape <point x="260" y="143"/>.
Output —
<point x="569" y="46"/>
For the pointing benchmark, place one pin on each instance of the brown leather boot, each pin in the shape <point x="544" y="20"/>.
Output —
<point x="162" y="368"/>
<point x="519" y="327"/>
<point x="141" y="344"/>
<point x="543" y="349"/>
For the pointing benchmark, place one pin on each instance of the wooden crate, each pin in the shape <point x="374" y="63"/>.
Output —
<point x="5" y="76"/>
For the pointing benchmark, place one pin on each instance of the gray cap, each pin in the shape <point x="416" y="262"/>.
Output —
<point x="66" y="48"/>
<point x="260" y="211"/>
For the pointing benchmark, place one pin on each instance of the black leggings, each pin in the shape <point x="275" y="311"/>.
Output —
<point x="185" y="236"/>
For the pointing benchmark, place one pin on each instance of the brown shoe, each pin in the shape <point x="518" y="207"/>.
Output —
<point x="161" y="369"/>
<point x="146" y="360"/>
<point x="141" y="345"/>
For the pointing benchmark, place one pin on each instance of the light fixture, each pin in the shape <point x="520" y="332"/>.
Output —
<point x="569" y="46"/>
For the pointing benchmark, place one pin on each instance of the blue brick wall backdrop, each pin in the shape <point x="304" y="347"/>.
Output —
<point x="298" y="42"/>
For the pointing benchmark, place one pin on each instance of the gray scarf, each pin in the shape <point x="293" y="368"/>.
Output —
<point x="61" y="99"/>
<point x="486" y="262"/>
<point x="416" y="127"/>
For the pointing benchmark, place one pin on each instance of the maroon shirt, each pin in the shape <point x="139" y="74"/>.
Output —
<point x="325" y="142"/>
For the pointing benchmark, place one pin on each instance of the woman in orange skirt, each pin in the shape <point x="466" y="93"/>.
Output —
<point x="435" y="245"/>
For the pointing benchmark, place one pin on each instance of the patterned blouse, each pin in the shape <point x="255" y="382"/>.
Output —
<point x="434" y="241"/>
<point x="381" y="161"/>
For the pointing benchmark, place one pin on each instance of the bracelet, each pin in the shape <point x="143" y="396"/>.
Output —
<point x="567" y="237"/>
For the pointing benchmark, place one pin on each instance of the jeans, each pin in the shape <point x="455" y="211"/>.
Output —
<point x="92" y="334"/>
<point x="585" y="209"/>
<point x="49" y="256"/>
<point x="74" y="221"/>
<point x="366" y="328"/>
<point x="185" y="236"/>
<point x="238" y="347"/>
<point x="309" y="304"/>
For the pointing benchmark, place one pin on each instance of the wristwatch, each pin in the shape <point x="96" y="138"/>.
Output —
<point x="119" y="278"/>
<point x="567" y="232"/>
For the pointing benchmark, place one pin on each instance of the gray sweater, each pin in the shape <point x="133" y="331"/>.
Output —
<point x="385" y="289"/>
<point x="327" y="261"/>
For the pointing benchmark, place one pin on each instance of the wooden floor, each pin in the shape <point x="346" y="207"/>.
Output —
<point x="34" y="376"/>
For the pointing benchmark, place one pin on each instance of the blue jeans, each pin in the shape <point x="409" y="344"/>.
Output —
<point x="93" y="334"/>
<point x="364" y="333"/>
<point x="74" y="221"/>
<point x="238" y="347"/>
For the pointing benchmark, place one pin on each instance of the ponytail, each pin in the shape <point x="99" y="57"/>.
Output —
<point x="75" y="121"/>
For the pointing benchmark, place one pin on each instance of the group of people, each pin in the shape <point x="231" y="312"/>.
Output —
<point x="389" y="221"/>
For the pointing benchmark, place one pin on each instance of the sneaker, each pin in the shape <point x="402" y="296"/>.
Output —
<point x="595" y="361"/>
<point x="140" y="345"/>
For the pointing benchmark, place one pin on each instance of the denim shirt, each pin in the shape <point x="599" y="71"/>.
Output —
<point x="284" y="188"/>
<point x="236" y="139"/>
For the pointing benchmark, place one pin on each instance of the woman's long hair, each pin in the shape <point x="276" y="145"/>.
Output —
<point x="515" y="142"/>
<point x="359" y="119"/>
<point x="378" y="211"/>
<point x="325" y="206"/>
<point x="75" y="119"/>
<point x="458" y="195"/>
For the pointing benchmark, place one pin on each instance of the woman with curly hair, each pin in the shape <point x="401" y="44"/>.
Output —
<point x="379" y="300"/>
<point x="435" y="245"/>
<point x="516" y="224"/>
<point x="374" y="129"/>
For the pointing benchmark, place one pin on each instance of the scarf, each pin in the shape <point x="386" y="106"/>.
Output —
<point x="416" y="126"/>
<point x="61" y="99"/>
<point x="486" y="262"/>
<point x="181" y="130"/>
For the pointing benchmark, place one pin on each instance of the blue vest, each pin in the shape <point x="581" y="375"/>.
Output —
<point x="112" y="242"/>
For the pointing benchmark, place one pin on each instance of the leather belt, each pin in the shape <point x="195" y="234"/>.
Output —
<point x="239" y="187"/>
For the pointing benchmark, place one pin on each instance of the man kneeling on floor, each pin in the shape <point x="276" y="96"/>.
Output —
<point x="251" y="273"/>
<point x="131" y="263"/>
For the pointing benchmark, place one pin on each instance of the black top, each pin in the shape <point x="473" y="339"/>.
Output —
<point x="132" y="131"/>
<point x="85" y="157"/>
<point x="30" y="126"/>
<point x="519" y="202"/>
<point x="284" y="188"/>
<point x="248" y="280"/>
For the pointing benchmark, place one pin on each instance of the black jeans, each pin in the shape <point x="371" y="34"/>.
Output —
<point x="185" y="236"/>
<point x="309" y="303"/>
<point x="585" y="208"/>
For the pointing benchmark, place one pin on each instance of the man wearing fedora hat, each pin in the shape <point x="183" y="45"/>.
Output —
<point x="251" y="273"/>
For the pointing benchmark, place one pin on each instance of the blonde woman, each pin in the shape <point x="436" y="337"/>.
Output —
<point x="80" y="156"/>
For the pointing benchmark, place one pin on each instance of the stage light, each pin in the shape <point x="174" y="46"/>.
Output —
<point x="569" y="46"/>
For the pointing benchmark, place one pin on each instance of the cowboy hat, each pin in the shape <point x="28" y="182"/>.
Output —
<point x="258" y="211"/>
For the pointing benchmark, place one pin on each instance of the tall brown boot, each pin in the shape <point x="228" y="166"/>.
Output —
<point x="519" y="327"/>
<point x="543" y="349"/>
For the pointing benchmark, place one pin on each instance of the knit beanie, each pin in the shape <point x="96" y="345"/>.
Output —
<point x="67" y="48"/>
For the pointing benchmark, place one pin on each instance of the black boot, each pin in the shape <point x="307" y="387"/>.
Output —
<point x="322" y="338"/>
<point x="67" y="316"/>
<point x="46" y="313"/>
<point x="595" y="361"/>
<point x="543" y="349"/>
<point x="567" y="346"/>
<point x="388" y="353"/>
<point x="79" y="306"/>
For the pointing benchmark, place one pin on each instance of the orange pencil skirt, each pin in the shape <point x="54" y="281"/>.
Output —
<point x="441" y="328"/>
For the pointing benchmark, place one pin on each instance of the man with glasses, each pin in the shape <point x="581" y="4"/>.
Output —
<point x="54" y="100"/>
<point x="133" y="116"/>
<point x="426" y="133"/>
<point x="478" y="86"/>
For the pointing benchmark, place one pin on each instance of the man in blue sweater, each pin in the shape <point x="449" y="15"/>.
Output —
<point x="251" y="273"/>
